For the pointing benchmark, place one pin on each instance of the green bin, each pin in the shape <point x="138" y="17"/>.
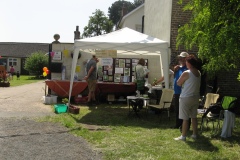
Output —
<point x="60" y="108"/>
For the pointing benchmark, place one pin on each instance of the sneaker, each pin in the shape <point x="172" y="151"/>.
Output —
<point x="194" y="136"/>
<point x="181" y="138"/>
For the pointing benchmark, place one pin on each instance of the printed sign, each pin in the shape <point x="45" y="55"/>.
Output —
<point x="57" y="56"/>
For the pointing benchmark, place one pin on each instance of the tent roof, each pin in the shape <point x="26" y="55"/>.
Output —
<point x="123" y="39"/>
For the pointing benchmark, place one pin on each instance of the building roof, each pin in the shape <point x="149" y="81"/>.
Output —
<point x="21" y="50"/>
<point x="129" y="14"/>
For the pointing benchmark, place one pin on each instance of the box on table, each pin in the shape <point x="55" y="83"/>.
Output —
<point x="60" y="108"/>
<point x="111" y="97"/>
<point x="50" y="99"/>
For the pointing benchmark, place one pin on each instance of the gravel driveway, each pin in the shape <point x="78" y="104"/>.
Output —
<point x="23" y="138"/>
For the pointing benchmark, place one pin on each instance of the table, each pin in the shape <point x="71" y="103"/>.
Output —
<point x="157" y="91"/>
<point x="131" y="100"/>
<point x="157" y="88"/>
<point x="110" y="87"/>
<point x="61" y="88"/>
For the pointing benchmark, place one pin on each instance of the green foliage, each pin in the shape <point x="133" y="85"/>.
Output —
<point x="115" y="11"/>
<point x="214" y="29"/>
<point x="238" y="76"/>
<point x="35" y="63"/>
<point x="65" y="100"/>
<point x="98" y="24"/>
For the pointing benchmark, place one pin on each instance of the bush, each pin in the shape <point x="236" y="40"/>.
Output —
<point x="35" y="63"/>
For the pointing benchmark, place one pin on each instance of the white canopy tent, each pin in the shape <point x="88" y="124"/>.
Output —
<point x="124" y="39"/>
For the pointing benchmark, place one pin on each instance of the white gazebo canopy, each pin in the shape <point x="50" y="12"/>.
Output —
<point x="125" y="39"/>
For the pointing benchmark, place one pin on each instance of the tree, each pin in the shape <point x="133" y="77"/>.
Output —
<point x="98" y="24"/>
<point x="115" y="11"/>
<point x="215" y="30"/>
<point x="137" y="3"/>
<point x="35" y="63"/>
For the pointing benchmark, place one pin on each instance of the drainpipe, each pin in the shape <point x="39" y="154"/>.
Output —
<point x="49" y="76"/>
<point x="143" y="24"/>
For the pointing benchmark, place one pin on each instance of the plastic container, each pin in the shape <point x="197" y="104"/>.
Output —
<point x="50" y="99"/>
<point x="60" y="108"/>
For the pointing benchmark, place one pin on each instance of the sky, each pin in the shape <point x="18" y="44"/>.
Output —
<point x="36" y="21"/>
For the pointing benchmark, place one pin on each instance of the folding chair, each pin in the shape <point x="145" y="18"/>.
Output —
<point x="165" y="101"/>
<point x="215" y="112"/>
<point x="211" y="100"/>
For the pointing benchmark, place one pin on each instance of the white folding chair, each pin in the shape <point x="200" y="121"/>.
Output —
<point x="165" y="101"/>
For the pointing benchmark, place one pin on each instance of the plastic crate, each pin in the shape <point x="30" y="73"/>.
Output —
<point x="50" y="99"/>
<point x="60" y="108"/>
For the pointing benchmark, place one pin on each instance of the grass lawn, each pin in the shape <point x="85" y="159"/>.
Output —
<point x="118" y="135"/>
<point x="24" y="79"/>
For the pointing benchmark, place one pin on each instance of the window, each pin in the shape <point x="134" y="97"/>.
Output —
<point x="12" y="62"/>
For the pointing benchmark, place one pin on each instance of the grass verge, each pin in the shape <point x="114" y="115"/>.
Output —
<point x="120" y="135"/>
<point x="24" y="79"/>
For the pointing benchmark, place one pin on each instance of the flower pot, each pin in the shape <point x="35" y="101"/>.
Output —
<point x="73" y="109"/>
<point x="4" y="84"/>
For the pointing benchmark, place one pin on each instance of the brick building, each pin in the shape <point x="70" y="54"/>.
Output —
<point x="15" y="54"/>
<point x="162" y="20"/>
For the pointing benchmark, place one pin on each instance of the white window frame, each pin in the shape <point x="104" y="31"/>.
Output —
<point x="12" y="61"/>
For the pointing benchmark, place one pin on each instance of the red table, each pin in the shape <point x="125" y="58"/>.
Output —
<point x="61" y="88"/>
<point x="110" y="87"/>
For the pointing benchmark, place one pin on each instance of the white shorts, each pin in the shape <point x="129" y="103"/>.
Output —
<point x="188" y="107"/>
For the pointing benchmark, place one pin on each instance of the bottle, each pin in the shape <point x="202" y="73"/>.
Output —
<point x="154" y="81"/>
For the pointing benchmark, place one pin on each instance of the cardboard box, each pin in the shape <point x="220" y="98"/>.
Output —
<point x="111" y="97"/>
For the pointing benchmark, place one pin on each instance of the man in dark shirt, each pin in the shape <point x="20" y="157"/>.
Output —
<point x="91" y="78"/>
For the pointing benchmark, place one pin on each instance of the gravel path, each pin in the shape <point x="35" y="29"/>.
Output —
<point x="23" y="138"/>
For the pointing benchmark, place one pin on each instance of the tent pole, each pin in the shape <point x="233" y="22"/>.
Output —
<point x="165" y="65"/>
<point x="74" y="63"/>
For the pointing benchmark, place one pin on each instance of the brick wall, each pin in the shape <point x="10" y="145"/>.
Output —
<point x="179" y="18"/>
<point x="226" y="81"/>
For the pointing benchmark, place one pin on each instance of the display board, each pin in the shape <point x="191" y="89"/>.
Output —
<point x="118" y="70"/>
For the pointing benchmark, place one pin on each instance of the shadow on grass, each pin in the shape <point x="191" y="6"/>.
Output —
<point x="119" y="115"/>
<point x="203" y="144"/>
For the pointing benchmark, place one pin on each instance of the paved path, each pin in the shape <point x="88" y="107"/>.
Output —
<point x="23" y="138"/>
<point x="24" y="101"/>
